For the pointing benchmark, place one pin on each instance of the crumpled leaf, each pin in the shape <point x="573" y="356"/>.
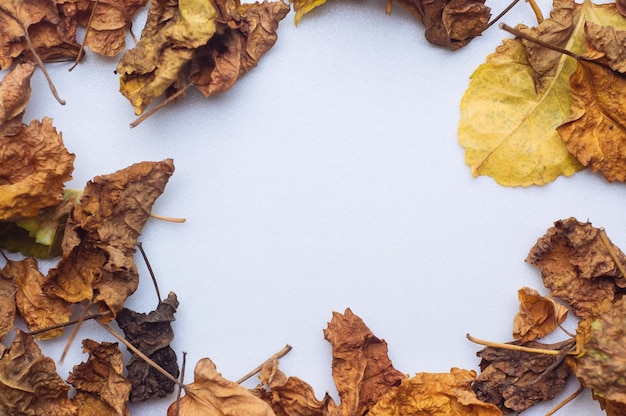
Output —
<point x="602" y="366"/>
<point x="14" y="95"/>
<point x="450" y="23"/>
<point x="38" y="308"/>
<point x="29" y="383"/>
<point x="51" y="36"/>
<point x="538" y="316"/>
<point x="362" y="371"/>
<point x="513" y="380"/>
<point x="7" y="305"/>
<point x="219" y="41"/>
<point x="518" y="98"/>
<point x="433" y="394"/>
<point x="212" y="395"/>
<point x="596" y="131"/>
<point x="101" y="387"/>
<point x="577" y="267"/>
<point x="34" y="165"/>
<point x="109" y="25"/>
<point x="290" y="396"/>
<point x="152" y="334"/>
<point x="101" y="233"/>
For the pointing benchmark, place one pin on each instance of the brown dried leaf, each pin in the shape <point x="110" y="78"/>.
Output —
<point x="14" y="95"/>
<point x="362" y="371"/>
<point x="29" y="383"/>
<point x="538" y="316"/>
<point x="607" y="44"/>
<point x="39" y="309"/>
<point x="450" y="23"/>
<point x="152" y="334"/>
<point x="7" y="305"/>
<point x="290" y="396"/>
<point x="34" y="165"/>
<point x="212" y="395"/>
<point x="52" y="39"/>
<point x="515" y="380"/>
<point x="577" y="267"/>
<point x="431" y="394"/>
<point x="101" y="387"/>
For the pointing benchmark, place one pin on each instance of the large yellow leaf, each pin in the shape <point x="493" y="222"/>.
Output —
<point x="511" y="110"/>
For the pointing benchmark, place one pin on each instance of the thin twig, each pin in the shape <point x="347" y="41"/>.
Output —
<point x="505" y="11"/>
<point x="182" y="381"/>
<point x="539" y="42"/>
<point x="536" y="10"/>
<point x="81" y="51"/>
<point x="566" y="401"/>
<point x="513" y="347"/>
<point x="276" y="356"/>
<point x="72" y="336"/>
<point x="154" y="281"/>
<point x="142" y="356"/>
<point x="169" y="219"/>
<point x="68" y="323"/>
<point x="42" y="67"/>
<point x="162" y="104"/>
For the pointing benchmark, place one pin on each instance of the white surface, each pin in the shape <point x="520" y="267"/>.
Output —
<point x="329" y="177"/>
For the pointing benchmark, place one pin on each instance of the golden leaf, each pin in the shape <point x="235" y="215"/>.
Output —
<point x="538" y="316"/>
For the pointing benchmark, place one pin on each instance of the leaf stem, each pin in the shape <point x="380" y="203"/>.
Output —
<point x="169" y="219"/>
<point x="275" y="356"/>
<point x="182" y="379"/>
<point x="536" y="10"/>
<point x="162" y="104"/>
<point x="502" y="13"/>
<point x="566" y="401"/>
<point x="513" y="347"/>
<point x="68" y="323"/>
<point x="539" y="42"/>
<point x="154" y="281"/>
<point x="81" y="51"/>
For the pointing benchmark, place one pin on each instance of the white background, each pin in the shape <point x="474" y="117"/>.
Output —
<point x="328" y="177"/>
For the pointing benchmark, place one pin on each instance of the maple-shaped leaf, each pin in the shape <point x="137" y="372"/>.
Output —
<point x="538" y="316"/>
<point x="14" y="95"/>
<point x="518" y="98"/>
<point x="152" y="334"/>
<point x="596" y="131"/>
<point x="450" y="23"/>
<point x="361" y="368"/>
<point x="210" y="394"/>
<point x="38" y="308"/>
<point x="602" y="365"/>
<point x="107" y="22"/>
<point x="290" y="396"/>
<point x="208" y="44"/>
<point x="7" y="304"/>
<point x="101" y="234"/>
<point x="50" y="35"/>
<point x="101" y="386"/>
<point x="516" y="380"/>
<point x="34" y="165"/>
<point x="577" y="266"/>
<point x="29" y="383"/>
<point x="434" y="394"/>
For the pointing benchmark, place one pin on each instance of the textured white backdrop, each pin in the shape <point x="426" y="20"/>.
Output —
<point x="329" y="177"/>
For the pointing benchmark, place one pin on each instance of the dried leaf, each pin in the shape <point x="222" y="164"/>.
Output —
<point x="38" y="308"/>
<point x="432" y="394"/>
<point x="290" y="396"/>
<point x="101" y="233"/>
<point x="515" y="380"/>
<point x="7" y="305"/>
<point x="577" y="267"/>
<point x="29" y="383"/>
<point x="34" y="165"/>
<point x="101" y="387"/>
<point x="14" y="95"/>
<point x="602" y="366"/>
<point x="450" y="23"/>
<point x="518" y="98"/>
<point x="212" y="395"/>
<point x="538" y="316"/>
<point x="362" y="371"/>
<point x="152" y="334"/>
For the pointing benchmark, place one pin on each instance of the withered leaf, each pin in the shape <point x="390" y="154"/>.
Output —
<point x="101" y="233"/>
<point x="219" y="42"/>
<point x="362" y="371"/>
<point x="34" y="165"/>
<point x="50" y="35"/>
<point x="577" y="267"/>
<point x="7" y="305"/>
<point x="290" y="396"/>
<point x="450" y="23"/>
<point x="433" y="394"/>
<point x="517" y="380"/>
<point x="38" y="308"/>
<point x="538" y="316"/>
<point x="29" y="383"/>
<point x="212" y="395"/>
<point x="14" y="95"/>
<point x="152" y="334"/>
<point x="603" y="365"/>
<point x="101" y="386"/>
